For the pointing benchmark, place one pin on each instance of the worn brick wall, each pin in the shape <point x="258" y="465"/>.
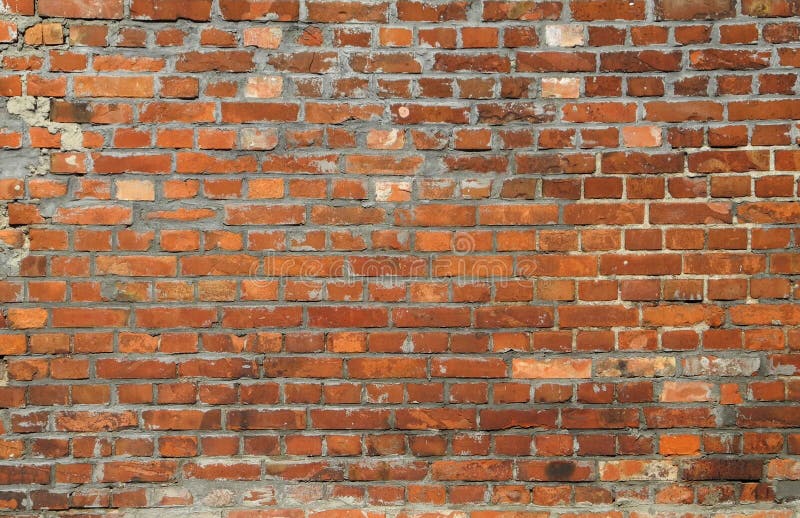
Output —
<point x="399" y="258"/>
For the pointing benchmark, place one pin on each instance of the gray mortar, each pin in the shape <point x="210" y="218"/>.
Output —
<point x="16" y="163"/>
<point x="19" y="114"/>
<point x="35" y="111"/>
<point x="10" y="258"/>
<point x="787" y="491"/>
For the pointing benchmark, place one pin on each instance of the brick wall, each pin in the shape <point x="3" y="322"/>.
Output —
<point x="399" y="258"/>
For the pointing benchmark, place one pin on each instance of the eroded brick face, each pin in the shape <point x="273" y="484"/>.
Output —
<point x="399" y="259"/>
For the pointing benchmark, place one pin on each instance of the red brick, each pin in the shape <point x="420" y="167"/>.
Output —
<point x="688" y="10"/>
<point x="499" y="10"/>
<point x="280" y="10"/>
<point x="472" y="470"/>
<point x="104" y="9"/>
<point x="387" y="242"/>
<point x="195" y="10"/>
<point x="219" y="61"/>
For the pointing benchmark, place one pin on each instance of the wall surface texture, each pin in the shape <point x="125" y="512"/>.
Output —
<point x="399" y="258"/>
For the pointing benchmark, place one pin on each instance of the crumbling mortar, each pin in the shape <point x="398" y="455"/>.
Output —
<point x="10" y="256"/>
<point x="35" y="111"/>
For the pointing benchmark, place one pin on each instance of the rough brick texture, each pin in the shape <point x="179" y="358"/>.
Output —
<point x="399" y="258"/>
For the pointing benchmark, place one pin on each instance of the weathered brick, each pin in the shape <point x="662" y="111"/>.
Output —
<point x="195" y="10"/>
<point x="536" y="253"/>
<point x="723" y="469"/>
<point x="551" y="368"/>
<point x="689" y="10"/>
<point x="472" y="470"/>
<point x="104" y="9"/>
<point x="638" y="470"/>
<point x="263" y="37"/>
